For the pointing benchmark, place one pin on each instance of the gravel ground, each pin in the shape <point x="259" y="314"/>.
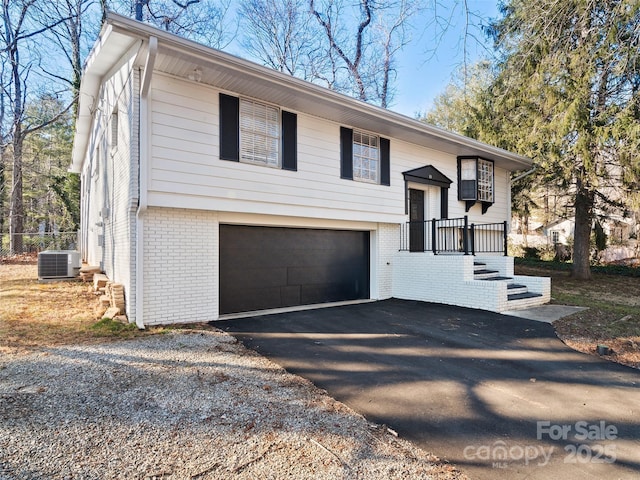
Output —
<point x="185" y="405"/>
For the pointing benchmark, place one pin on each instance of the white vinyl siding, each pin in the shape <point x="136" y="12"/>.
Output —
<point x="259" y="133"/>
<point x="366" y="157"/>
<point x="114" y="130"/>
<point x="184" y="171"/>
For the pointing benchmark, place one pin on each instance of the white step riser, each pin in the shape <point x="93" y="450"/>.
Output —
<point x="512" y="291"/>
<point x="484" y="276"/>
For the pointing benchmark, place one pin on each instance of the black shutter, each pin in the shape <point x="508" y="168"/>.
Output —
<point x="289" y="141"/>
<point x="229" y="127"/>
<point x="346" y="153"/>
<point x="385" y="167"/>
<point x="444" y="202"/>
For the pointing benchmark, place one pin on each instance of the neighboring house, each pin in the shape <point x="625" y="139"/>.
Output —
<point x="213" y="186"/>
<point x="620" y="230"/>
<point x="559" y="231"/>
<point x="622" y="244"/>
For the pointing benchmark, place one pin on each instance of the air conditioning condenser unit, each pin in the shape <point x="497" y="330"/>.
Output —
<point x="58" y="264"/>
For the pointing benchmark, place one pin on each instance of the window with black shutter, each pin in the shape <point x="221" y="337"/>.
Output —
<point x="256" y="132"/>
<point x="365" y="157"/>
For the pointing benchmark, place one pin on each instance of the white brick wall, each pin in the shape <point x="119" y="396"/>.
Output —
<point x="180" y="266"/>
<point x="181" y="260"/>
<point x="449" y="279"/>
<point x="502" y="264"/>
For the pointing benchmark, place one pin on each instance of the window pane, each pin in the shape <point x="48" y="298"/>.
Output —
<point x="259" y="133"/>
<point x="365" y="157"/>
<point x="485" y="180"/>
<point x="468" y="169"/>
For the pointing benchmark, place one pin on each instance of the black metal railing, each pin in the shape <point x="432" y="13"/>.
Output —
<point x="453" y="235"/>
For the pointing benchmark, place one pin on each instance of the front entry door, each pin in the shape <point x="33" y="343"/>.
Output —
<point x="416" y="220"/>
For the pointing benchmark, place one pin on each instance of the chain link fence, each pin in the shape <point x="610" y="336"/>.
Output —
<point x="33" y="243"/>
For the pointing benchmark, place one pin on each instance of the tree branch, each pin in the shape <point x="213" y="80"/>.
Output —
<point x="54" y="119"/>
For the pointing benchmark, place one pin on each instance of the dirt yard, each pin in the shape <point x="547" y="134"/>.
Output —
<point x="612" y="318"/>
<point x="82" y="398"/>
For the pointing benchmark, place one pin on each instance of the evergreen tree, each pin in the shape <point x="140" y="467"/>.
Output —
<point x="567" y="94"/>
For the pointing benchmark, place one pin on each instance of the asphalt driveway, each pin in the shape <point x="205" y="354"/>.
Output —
<point x="501" y="397"/>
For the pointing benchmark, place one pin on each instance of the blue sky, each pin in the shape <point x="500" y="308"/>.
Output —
<point x="426" y="65"/>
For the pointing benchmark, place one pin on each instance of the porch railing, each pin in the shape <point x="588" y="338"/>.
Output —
<point x="453" y="235"/>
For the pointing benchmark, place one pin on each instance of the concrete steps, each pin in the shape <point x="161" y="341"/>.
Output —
<point x="515" y="291"/>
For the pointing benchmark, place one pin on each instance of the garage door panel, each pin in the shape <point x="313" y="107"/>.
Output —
<point x="334" y="292"/>
<point x="271" y="267"/>
<point x="321" y="274"/>
<point x="251" y="278"/>
<point x="233" y="300"/>
<point x="291" y="296"/>
<point x="276" y="259"/>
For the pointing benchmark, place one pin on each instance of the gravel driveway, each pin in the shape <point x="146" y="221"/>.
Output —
<point x="185" y="405"/>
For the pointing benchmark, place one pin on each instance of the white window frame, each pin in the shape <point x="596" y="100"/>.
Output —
<point x="366" y="157"/>
<point x="485" y="181"/>
<point x="114" y="129"/>
<point x="260" y="133"/>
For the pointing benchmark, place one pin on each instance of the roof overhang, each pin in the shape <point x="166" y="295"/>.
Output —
<point x="427" y="175"/>
<point x="105" y="54"/>
<point x="186" y="59"/>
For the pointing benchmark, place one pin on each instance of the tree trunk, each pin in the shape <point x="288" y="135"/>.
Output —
<point x="16" y="206"/>
<point x="2" y="184"/>
<point x="582" y="233"/>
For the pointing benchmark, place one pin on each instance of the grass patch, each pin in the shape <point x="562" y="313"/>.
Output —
<point x="34" y="314"/>
<point x="566" y="267"/>
<point x="109" y="327"/>
<point x="612" y="297"/>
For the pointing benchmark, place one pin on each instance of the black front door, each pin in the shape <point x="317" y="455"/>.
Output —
<point x="416" y="220"/>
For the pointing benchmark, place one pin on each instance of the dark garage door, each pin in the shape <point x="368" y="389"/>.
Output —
<point x="272" y="267"/>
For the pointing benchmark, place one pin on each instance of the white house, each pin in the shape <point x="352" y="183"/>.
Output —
<point x="213" y="186"/>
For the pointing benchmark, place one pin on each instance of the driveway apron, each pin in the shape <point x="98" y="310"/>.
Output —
<point x="500" y="397"/>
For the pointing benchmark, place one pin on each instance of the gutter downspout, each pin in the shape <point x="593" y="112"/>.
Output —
<point x="143" y="177"/>
<point x="525" y="174"/>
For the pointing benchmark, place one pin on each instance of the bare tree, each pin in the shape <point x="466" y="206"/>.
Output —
<point x="204" y="21"/>
<point x="366" y="45"/>
<point x="461" y="28"/>
<point x="4" y="142"/>
<point x="340" y="44"/>
<point x="71" y="39"/>
<point x="19" y="27"/>
<point x="393" y="37"/>
<point x="280" y="33"/>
